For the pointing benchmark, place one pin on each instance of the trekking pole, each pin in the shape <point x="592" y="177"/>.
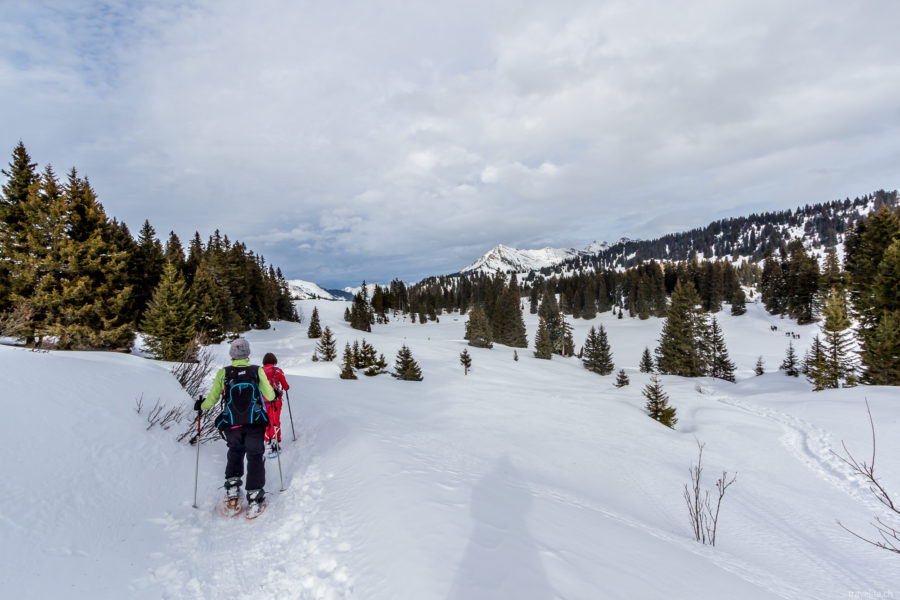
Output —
<point x="287" y="395"/>
<point x="197" y="467"/>
<point x="280" y="476"/>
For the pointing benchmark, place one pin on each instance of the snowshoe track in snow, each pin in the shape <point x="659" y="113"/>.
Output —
<point x="292" y="552"/>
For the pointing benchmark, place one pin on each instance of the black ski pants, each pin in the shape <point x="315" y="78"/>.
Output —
<point x="247" y="440"/>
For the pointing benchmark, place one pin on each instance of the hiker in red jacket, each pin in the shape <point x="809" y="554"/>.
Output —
<point x="279" y="384"/>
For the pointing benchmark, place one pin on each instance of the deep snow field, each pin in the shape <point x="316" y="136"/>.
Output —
<point x="523" y="480"/>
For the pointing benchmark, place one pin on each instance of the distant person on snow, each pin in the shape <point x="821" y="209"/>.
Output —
<point x="244" y="389"/>
<point x="279" y="384"/>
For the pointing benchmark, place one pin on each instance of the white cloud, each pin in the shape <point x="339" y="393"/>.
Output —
<point x="360" y="134"/>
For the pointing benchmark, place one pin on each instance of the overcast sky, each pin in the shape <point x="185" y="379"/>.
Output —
<point x="378" y="139"/>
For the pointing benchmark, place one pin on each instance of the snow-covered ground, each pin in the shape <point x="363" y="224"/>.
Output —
<point x="525" y="479"/>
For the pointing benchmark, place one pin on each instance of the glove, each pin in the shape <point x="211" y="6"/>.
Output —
<point x="197" y="404"/>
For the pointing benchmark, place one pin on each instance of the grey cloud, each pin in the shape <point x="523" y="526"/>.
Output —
<point x="361" y="140"/>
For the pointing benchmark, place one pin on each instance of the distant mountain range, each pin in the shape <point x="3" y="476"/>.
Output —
<point x="505" y="259"/>
<point x="819" y="227"/>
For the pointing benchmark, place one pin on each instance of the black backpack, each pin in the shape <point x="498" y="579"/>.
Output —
<point x="243" y="402"/>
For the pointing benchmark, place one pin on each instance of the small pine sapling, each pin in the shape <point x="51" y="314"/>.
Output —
<point x="789" y="364"/>
<point x="760" y="368"/>
<point x="646" y="365"/>
<point x="657" y="405"/>
<point x="465" y="360"/>
<point x="622" y="379"/>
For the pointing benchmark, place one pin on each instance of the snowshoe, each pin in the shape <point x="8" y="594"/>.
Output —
<point x="274" y="450"/>
<point x="231" y="504"/>
<point x="256" y="504"/>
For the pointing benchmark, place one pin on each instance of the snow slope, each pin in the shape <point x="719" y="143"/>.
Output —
<point x="525" y="479"/>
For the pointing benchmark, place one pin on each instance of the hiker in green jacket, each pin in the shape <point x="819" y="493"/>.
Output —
<point x="244" y="389"/>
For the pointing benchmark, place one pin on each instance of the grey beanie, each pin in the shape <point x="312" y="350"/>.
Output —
<point x="240" y="348"/>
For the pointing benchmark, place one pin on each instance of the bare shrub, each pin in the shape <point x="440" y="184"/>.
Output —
<point x="192" y="372"/>
<point x="208" y="431"/>
<point x="161" y="415"/>
<point x="195" y="366"/>
<point x="888" y="537"/>
<point x="703" y="515"/>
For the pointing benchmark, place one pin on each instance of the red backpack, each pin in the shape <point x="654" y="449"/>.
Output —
<point x="272" y="375"/>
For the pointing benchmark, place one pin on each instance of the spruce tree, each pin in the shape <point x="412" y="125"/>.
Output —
<point x="367" y="355"/>
<point x="347" y="364"/>
<point x="720" y="366"/>
<point x="646" y="364"/>
<point x="90" y="309"/>
<point x="405" y="367"/>
<point x="789" y="364"/>
<point x="543" y="346"/>
<point x="682" y="345"/>
<point x="760" y="368"/>
<point x="553" y="322"/>
<point x="357" y="356"/>
<point x="837" y="362"/>
<point x="465" y="360"/>
<point x="377" y="366"/>
<point x="566" y="345"/>
<point x="22" y="177"/>
<point x="622" y="379"/>
<point x="212" y="303"/>
<point x="315" y="328"/>
<point x="170" y="319"/>
<point x="478" y="332"/>
<point x="817" y="369"/>
<point x="174" y="253"/>
<point x="738" y="302"/>
<point x="361" y="315"/>
<point x="801" y="280"/>
<point x="34" y="266"/>
<point x="882" y="351"/>
<point x="657" y="405"/>
<point x="597" y="356"/>
<point x="147" y="266"/>
<point x="772" y="285"/>
<point x="327" y="347"/>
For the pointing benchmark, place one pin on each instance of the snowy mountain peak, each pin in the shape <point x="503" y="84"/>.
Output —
<point x="505" y="259"/>
<point x="307" y="290"/>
